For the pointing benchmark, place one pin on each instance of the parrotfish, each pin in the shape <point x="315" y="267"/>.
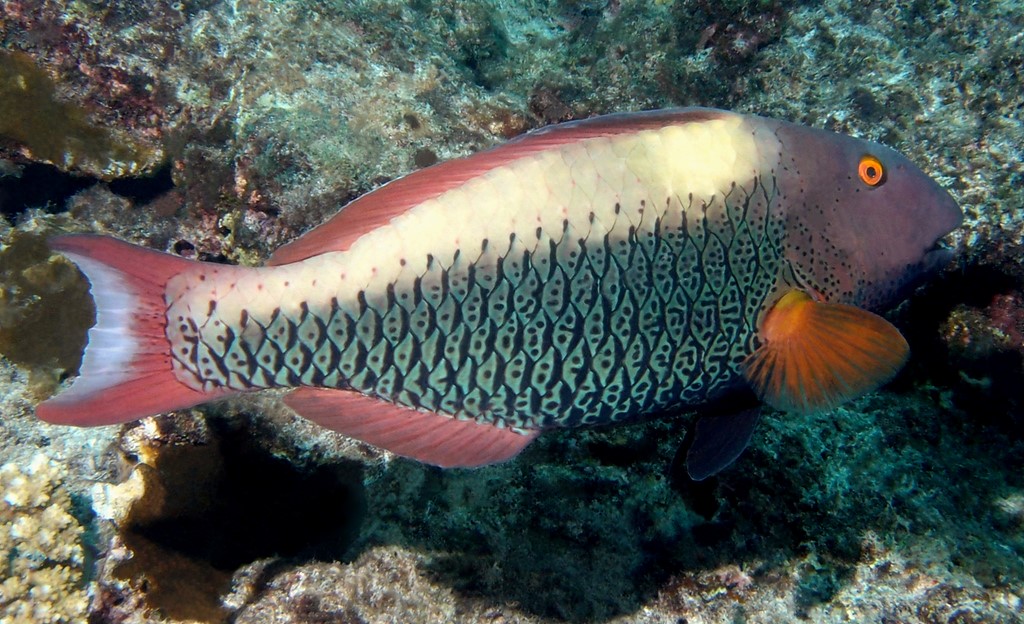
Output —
<point x="583" y="274"/>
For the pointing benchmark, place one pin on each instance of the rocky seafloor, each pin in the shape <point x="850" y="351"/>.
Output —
<point x="219" y="130"/>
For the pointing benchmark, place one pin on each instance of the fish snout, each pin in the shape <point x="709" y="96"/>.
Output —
<point x="945" y="218"/>
<point x="938" y="255"/>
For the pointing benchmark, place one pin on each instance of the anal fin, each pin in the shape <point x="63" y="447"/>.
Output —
<point x="424" y="436"/>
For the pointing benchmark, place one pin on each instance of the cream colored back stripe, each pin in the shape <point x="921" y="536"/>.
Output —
<point x="579" y="182"/>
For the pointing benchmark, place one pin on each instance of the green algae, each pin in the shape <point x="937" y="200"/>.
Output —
<point x="60" y="133"/>
<point x="45" y="309"/>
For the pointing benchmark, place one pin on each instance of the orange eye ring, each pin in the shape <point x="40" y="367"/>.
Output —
<point x="871" y="171"/>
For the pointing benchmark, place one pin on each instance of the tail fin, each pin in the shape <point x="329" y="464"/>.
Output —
<point x="126" y="371"/>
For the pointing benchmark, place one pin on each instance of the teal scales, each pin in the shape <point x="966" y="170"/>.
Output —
<point x="583" y="331"/>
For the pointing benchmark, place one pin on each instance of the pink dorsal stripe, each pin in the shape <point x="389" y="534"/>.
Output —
<point x="379" y="207"/>
<point x="427" y="437"/>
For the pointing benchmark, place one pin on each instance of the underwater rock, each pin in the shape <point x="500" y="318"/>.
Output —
<point x="585" y="527"/>
<point x="198" y="504"/>
<point x="903" y="507"/>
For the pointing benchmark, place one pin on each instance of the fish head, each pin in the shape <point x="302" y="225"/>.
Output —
<point x="863" y="224"/>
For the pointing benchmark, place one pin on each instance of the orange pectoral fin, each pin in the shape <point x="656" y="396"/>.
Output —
<point x="818" y="355"/>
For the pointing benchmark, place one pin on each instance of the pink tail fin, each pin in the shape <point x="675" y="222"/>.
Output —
<point x="126" y="371"/>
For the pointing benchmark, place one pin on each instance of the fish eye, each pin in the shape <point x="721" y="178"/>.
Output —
<point x="871" y="171"/>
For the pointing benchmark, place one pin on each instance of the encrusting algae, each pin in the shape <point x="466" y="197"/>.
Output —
<point x="44" y="310"/>
<point x="48" y="130"/>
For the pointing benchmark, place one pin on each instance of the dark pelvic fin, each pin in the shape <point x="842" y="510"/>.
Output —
<point x="719" y="440"/>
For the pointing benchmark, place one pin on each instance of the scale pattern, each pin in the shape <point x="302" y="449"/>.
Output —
<point x="574" y="328"/>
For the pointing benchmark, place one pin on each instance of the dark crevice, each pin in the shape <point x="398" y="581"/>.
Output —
<point x="144" y="189"/>
<point x="983" y="377"/>
<point x="216" y="505"/>
<point x="922" y="319"/>
<point x="262" y="506"/>
<point x="40" y="185"/>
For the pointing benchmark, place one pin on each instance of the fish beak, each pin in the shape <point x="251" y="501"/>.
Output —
<point x="938" y="255"/>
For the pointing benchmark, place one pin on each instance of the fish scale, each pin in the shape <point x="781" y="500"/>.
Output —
<point x="582" y="329"/>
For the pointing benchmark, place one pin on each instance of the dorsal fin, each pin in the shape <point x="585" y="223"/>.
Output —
<point x="380" y="206"/>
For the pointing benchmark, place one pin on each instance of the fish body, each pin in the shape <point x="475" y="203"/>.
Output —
<point x="573" y="286"/>
<point x="583" y="274"/>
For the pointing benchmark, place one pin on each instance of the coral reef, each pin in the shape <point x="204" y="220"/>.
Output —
<point x="832" y="518"/>
<point x="41" y="541"/>
<point x="906" y="506"/>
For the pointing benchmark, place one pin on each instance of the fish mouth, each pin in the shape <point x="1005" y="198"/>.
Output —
<point x="938" y="255"/>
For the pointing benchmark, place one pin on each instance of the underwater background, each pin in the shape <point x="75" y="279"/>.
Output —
<point x="220" y="130"/>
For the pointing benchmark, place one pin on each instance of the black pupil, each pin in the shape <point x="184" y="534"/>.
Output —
<point x="872" y="172"/>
